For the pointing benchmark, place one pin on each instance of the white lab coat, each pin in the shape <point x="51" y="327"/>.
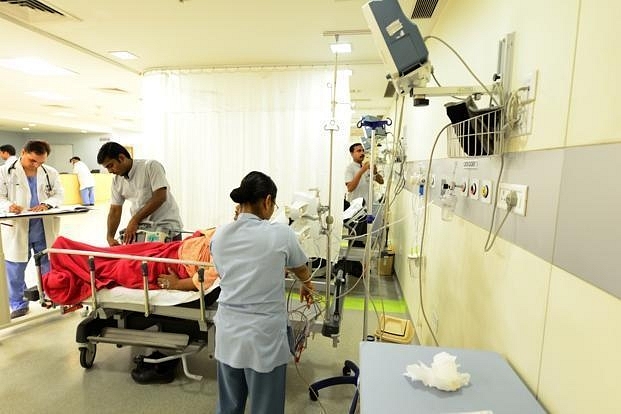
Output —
<point x="14" y="190"/>
<point x="85" y="178"/>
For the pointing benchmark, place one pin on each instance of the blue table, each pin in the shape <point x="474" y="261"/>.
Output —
<point x="494" y="386"/>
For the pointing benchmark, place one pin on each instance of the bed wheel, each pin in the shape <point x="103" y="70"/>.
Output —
<point x="87" y="355"/>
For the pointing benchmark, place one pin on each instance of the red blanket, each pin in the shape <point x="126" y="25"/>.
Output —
<point x="68" y="281"/>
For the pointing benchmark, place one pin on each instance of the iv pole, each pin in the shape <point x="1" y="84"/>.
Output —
<point x="331" y="126"/>
<point x="370" y="219"/>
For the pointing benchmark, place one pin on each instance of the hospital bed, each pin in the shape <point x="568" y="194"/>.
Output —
<point x="171" y="320"/>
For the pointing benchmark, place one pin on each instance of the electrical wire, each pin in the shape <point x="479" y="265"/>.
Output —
<point x="512" y="118"/>
<point x="465" y="65"/>
<point x="422" y="240"/>
<point x="433" y="75"/>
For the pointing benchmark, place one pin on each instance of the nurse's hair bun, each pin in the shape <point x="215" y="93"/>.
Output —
<point x="255" y="186"/>
<point x="238" y="196"/>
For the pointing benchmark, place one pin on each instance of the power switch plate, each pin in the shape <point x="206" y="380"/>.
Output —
<point x="522" y="196"/>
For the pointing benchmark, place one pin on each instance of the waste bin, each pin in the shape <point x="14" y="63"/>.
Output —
<point x="387" y="258"/>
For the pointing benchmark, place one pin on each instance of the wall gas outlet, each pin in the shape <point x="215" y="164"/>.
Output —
<point x="485" y="193"/>
<point x="521" y="192"/>
<point x="462" y="187"/>
<point x="474" y="189"/>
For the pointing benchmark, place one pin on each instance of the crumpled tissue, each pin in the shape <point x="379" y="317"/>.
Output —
<point x="442" y="374"/>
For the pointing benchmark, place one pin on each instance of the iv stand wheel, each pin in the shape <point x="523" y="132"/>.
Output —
<point x="87" y="355"/>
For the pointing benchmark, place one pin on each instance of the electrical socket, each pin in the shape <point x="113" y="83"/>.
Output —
<point x="486" y="191"/>
<point x="521" y="191"/>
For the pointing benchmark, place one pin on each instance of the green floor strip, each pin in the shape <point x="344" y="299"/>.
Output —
<point x="392" y="306"/>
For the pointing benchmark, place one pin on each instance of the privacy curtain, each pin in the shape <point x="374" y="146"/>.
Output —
<point x="212" y="127"/>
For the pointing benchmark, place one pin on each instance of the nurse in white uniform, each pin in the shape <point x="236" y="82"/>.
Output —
<point x="251" y="255"/>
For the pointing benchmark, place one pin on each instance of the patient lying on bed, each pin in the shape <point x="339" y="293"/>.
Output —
<point x="68" y="281"/>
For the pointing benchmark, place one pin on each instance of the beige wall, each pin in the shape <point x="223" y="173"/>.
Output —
<point x="72" y="188"/>
<point x="559" y="333"/>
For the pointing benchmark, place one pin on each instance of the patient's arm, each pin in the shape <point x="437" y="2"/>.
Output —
<point x="172" y="281"/>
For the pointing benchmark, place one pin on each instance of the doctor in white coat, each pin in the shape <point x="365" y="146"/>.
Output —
<point x="26" y="185"/>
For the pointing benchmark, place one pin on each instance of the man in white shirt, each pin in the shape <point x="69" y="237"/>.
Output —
<point x="7" y="153"/>
<point x="357" y="177"/>
<point x="143" y="183"/>
<point x="85" y="180"/>
<point x="357" y="180"/>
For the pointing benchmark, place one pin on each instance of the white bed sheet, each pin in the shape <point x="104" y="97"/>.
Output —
<point x="161" y="297"/>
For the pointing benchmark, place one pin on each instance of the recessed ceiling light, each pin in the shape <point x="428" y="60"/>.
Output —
<point x="26" y="129"/>
<point x="340" y="48"/>
<point x="123" y="54"/>
<point x="32" y="125"/>
<point x="34" y="66"/>
<point x="83" y="131"/>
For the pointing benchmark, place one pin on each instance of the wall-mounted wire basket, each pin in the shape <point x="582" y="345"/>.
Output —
<point x="479" y="136"/>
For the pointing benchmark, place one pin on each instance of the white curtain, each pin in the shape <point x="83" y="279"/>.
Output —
<point x="210" y="128"/>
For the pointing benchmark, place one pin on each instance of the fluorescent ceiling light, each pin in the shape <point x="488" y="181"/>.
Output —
<point x="51" y="96"/>
<point x="32" y="125"/>
<point x="34" y="66"/>
<point x="26" y="129"/>
<point x="123" y="54"/>
<point x="340" y="47"/>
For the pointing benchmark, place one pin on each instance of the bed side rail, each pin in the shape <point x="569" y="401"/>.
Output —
<point x="144" y="259"/>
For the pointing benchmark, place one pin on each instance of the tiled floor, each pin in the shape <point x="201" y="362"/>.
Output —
<point x="40" y="369"/>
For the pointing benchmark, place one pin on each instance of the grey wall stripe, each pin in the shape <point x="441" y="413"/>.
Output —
<point x="573" y="191"/>
<point x="588" y="241"/>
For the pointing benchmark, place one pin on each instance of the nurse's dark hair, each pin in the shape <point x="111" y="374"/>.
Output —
<point x="111" y="150"/>
<point x="254" y="187"/>
<point x="38" y="147"/>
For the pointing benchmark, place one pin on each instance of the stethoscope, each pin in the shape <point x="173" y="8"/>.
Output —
<point x="48" y="187"/>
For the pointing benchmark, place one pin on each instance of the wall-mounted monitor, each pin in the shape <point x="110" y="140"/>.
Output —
<point x="400" y="44"/>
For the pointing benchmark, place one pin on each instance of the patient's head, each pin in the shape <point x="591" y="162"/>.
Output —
<point x="256" y="194"/>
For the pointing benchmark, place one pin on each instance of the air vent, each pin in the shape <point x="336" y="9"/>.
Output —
<point x="423" y="9"/>
<point x="34" y="5"/>
<point x="33" y="12"/>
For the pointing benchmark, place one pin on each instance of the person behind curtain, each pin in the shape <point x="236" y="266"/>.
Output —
<point x="357" y="181"/>
<point x="250" y="255"/>
<point x="357" y="177"/>
<point x="85" y="180"/>
<point x="27" y="185"/>
<point x="7" y="153"/>
<point x="144" y="184"/>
